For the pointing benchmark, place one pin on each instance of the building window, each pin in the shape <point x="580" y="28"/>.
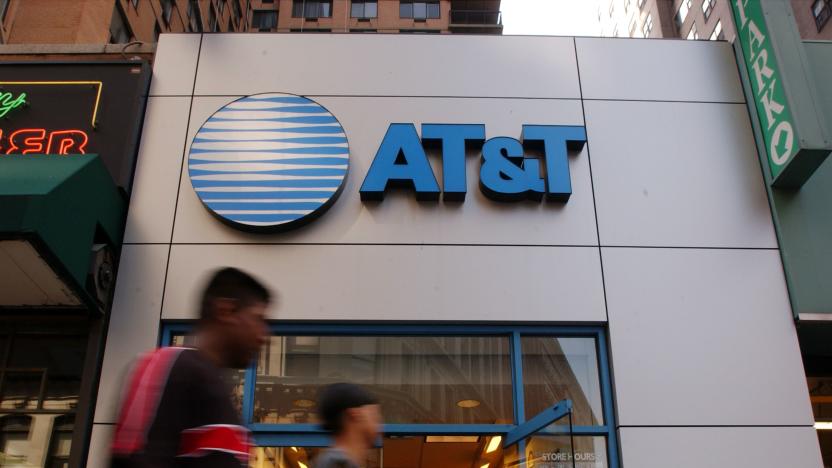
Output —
<point x="61" y="441"/>
<point x="693" y="34"/>
<point x="684" y="8"/>
<point x="213" y="22"/>
<point x="157" y="31"/>
<point x="612" y="8"/>
<point x="4" y="9"/>
<point x="821" y="11"/>
<point x="431" y="381"/>
<point x="235" y="7"/>
<point x="419" y="10"/>
<point x="640" y="4"/>
<point x="194" y="16"/>
<point x="135" y="4"/>
<point x="264" y="20"/>
<point x="647" y="27"/>
<point x="632" y="29"/>
<point x="312" y="9"/>
<point x="708" y="7"/>
<point x="364" y="9"/>
<point x="119" y="27"/>
<point x="717" y="34"/>
<point x="221" y="6"/>
<point x="167" y="10"/>
<point x="615" y="31"/>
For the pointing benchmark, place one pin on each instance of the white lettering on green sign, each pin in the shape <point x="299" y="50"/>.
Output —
<point x="769" y="94"/>
<point x="8" y="102"/>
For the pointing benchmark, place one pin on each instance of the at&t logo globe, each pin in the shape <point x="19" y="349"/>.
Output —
<point x="269" y="162"/>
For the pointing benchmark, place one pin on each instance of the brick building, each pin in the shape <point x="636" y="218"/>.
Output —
<point x="699" y="19"/>
<point x="125" y="21"/>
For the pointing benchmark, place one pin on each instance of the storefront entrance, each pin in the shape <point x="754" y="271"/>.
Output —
<point x="467" y="396"/>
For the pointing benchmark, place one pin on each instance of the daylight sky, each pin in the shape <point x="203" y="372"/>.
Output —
<point x="551" y="17"/>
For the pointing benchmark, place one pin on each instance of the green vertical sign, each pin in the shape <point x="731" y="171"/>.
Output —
<point x="773" y="111"/>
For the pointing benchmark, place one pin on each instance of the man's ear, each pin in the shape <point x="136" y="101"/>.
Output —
<point x="223" y="309"/>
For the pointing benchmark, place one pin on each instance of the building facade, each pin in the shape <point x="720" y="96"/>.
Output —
<point x="636" y="277"/>
<point x="699" y="19"/>
<point x="126" y="21"/>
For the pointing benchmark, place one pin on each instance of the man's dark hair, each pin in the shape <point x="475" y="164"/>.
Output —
<point x="231" y="283"/>
<point x="334" y="400"/>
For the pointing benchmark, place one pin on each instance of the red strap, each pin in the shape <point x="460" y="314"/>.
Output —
<point x="145" y="389"/>
<point x="226" y="438"/>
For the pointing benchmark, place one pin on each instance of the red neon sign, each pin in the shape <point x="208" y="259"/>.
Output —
<point x="39" y="141"/>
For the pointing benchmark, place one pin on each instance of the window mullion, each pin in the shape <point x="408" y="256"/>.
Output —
<point x="517" y="378"/>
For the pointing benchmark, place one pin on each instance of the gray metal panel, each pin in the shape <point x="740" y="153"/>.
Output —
<point x="703" y="337"/>
<point x="156" y="182"/>
<point x="134" y="321"/>
<point x="666" y="70"/>
<point x="398" y="65"/>
<point x="696" y="447"/>
<point x="98" y="455"/>
<point x="174" y="65"/>
<point x="677" y="174"/>
<point x="434" y="283"/>
<point x="400" y="218"/>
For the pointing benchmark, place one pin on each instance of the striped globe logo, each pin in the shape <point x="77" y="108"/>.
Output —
<point x="269" y="162"/>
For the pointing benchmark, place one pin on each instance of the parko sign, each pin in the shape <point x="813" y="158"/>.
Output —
<point x="272" y="162"/>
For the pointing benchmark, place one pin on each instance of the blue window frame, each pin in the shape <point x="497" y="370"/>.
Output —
<point x="311" y="435"/>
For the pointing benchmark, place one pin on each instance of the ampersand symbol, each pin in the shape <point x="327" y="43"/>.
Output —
<point x="506" y="175"/>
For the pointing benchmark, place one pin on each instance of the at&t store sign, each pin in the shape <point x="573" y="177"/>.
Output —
<point x="273" y="162"/>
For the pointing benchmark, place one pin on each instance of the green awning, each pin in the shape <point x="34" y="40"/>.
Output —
<point x="61" y="205"/>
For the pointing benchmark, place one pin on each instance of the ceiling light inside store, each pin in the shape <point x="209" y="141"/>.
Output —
<point x="493" y="444"/>
<point x="468" y="403"/>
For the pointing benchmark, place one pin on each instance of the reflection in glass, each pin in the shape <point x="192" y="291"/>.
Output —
<point x="404" y="452"/>
<point x="40" y="380"/>
<point x="418" y="379"/>
<point x="558" y="368"/>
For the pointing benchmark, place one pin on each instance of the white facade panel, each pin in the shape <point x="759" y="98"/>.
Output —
<point x="695" y="447"/>
<point x="665" y="70"/>
<point x="703" y="337"/>
<point x="406" y="283"/>
<point x="174" y="64"/>
<point x="134" y="320"/>
<point x="400" y="218"/>
<point x="677" y="175"/>
<point x="156" y="180"/>
<point x="388" y="65"/>
<point x="99" y="451"/>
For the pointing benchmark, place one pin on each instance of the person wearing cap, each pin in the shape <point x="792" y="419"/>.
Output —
<point x="353" y="416"/>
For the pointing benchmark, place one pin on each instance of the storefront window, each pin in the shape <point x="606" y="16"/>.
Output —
<point x="450" y="396"/>
<point x="418" y="380"/>
<point x="40" y="380"/>
<point x="558" y="368"/>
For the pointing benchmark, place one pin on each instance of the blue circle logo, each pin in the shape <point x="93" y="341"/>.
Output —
<point x="269" y="162"/>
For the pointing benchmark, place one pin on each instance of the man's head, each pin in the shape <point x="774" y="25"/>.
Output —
<point x="347" y="408"/>
<point x="234" y="304"/>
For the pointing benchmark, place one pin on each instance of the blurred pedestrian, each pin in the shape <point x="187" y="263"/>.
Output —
<point x="177" y="410"/>
<point x="353" y="416"/>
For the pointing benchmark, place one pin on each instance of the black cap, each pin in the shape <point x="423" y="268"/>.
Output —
<point x="337" y="398"/>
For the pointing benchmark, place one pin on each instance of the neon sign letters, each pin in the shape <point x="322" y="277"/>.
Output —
<point x="9" y="103"/>
<point x="39" y="141"/>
